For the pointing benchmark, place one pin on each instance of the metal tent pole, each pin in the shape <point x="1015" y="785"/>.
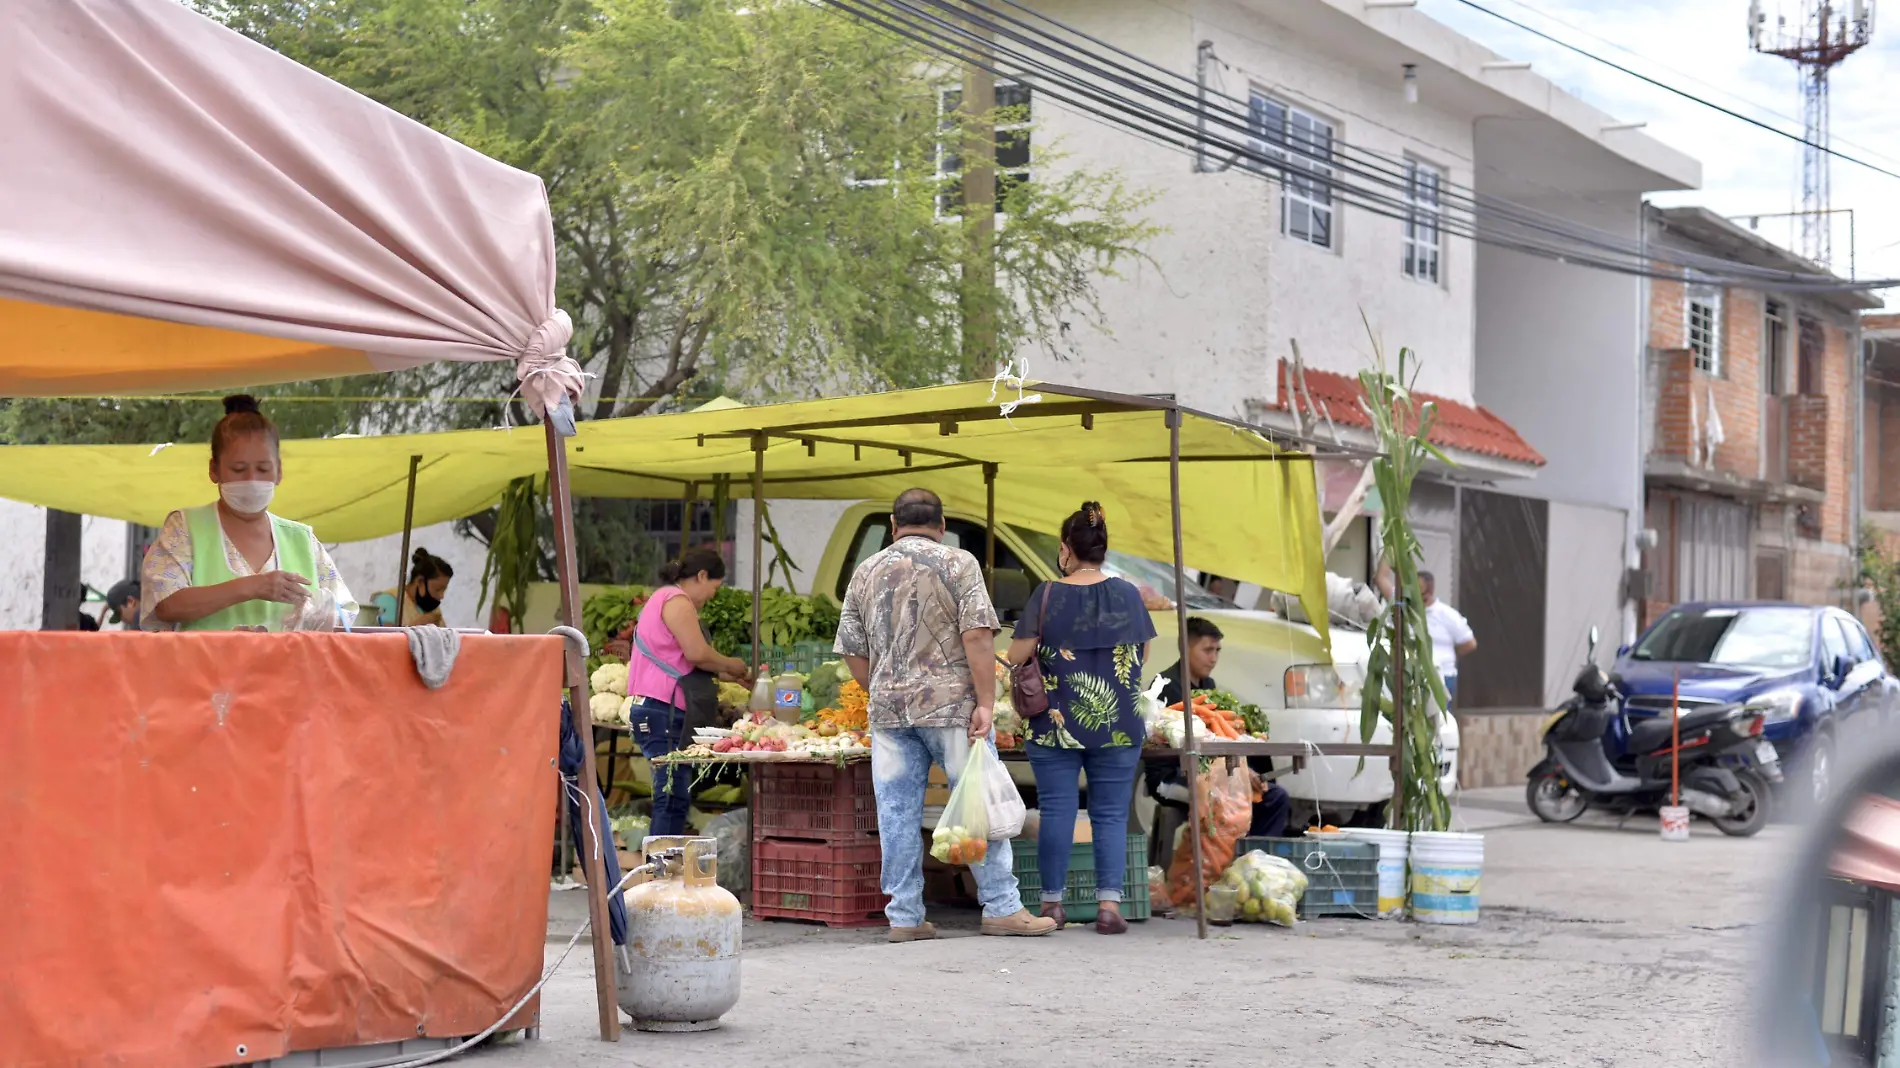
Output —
<point x="759" y="442"/>
<point x="1190" y="749"/>
<point x="408" y="522"/>
<point x="561" y="504"/>
<point x="989" y="526"/>
<point x="1398" y="821"/>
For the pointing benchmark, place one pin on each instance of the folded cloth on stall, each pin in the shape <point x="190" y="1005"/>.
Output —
<point x="434" y="649"/>
<point x="571" y="754"/>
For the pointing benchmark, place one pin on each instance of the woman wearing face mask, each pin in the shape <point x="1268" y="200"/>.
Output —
<point x="421" y="603"/>
<point x="232" y="565"/>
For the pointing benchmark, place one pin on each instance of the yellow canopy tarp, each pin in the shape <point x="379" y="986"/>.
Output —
<point x="1249" y="507"/>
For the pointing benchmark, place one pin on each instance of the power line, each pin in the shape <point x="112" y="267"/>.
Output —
<point x="1492" y="221"/>
<point x="1684" y="93"/>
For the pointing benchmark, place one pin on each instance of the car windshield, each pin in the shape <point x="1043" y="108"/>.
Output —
<point x="1136" y="569"/>
<point x="1740" y="637"/>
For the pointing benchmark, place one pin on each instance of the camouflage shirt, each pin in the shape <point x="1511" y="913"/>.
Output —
<point x="905" y="612"/>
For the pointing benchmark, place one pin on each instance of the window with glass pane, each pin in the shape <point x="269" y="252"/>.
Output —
<point x="1303" y="144"/>
<point x="1701" y="319"/>
<point x="1012" y="146"/>
<point x="1424" y="185"/>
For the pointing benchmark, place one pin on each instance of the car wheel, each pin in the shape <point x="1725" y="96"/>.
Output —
<point x="1820" y="769"/>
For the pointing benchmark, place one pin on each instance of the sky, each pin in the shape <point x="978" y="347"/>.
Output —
<point x="1702" y="46"/>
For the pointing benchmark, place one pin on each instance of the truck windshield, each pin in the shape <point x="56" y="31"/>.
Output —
<point x="1740" y="637"/>
<point x="1136" y="569"/>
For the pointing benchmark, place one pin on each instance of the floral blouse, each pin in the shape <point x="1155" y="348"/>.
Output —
<point x="167" y="569"/>
<point x="1090" y="645"/>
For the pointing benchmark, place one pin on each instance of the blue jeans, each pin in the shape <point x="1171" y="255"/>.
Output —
<point x="1451" y="690"/>
<point x="900" y="771"/>
<point x="1111" y="775"/>
<point x="656" y="729"/>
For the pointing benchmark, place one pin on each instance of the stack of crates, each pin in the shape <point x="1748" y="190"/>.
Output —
<point x="1078" y="898"/>
<point x="1342" y="877"/>
<point x="815" y="854"/>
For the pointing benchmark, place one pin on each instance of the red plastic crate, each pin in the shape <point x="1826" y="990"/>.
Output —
<point x="838" y="884"/>
<point x="822" y="801"/>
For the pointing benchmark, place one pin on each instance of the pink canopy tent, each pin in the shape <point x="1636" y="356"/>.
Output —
<point x="183" y="209"/>
<point x="1869" y="850"/>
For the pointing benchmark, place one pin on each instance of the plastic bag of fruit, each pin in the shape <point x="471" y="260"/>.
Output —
<point x="963" y="831"/>
<point x="1267" y="889"/>
<point x="1227" y="798"/>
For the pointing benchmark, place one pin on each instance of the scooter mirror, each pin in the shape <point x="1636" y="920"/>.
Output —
<point x="1592" y="653"/>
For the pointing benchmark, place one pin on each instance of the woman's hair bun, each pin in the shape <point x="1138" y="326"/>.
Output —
<point x="1092" y="513"/>
<point x="241" y="402"/>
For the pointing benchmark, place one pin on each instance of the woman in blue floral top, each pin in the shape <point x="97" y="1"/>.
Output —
<point x="1090" y="634"/>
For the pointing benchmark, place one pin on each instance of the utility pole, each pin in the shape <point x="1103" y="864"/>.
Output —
<point x="977" y="298"/>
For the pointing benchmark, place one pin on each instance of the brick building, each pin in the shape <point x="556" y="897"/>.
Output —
<point x="1752" y="423"/>
<point x="1880" y="433"/>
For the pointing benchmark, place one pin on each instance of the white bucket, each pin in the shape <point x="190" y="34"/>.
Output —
<point x="1446" y="870"/>
<point x="1675" y="823"/>
<point x="1393" y="848"/>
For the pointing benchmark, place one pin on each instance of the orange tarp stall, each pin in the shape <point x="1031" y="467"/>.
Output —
<point x="218" y="848"/>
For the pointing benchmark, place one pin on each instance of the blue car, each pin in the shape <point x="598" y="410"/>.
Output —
<point x="1814" y="671"/>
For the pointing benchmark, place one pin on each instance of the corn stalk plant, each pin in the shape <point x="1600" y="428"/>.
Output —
<point x="1400" y="426"/>
<point x="514" y="551"/>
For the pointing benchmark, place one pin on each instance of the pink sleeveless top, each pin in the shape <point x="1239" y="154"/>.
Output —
<point x="644" y="678"/>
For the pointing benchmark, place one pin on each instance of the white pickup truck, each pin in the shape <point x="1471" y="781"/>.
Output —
<point x="1261" y="653"/>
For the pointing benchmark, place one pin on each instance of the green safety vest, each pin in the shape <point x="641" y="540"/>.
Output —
<point x="209" y="567"/>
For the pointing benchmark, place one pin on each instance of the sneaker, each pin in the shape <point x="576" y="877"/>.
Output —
<point x="923" y="932"/>
<point x="1022" y="925"/>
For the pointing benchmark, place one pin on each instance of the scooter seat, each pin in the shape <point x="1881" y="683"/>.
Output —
<point x="1653" y="734"/>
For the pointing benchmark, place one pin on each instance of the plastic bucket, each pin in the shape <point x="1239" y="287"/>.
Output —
<point x="1675" y="823"/>
<point x="1446" y="871"/>
<point x="1393" y="849"/>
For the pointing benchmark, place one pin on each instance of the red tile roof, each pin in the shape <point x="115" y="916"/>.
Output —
<point x="1464" y="427"/>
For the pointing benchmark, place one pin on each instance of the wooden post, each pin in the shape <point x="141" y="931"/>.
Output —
<point x="561" y="504"/>
<point x="759" y="443"/>
<point x="61" y="590"/>
<point x="989" y="527"/>
<point x="1190" y="747"/>
<point x="408" y="522"/>
<point x="1397" y="763"/>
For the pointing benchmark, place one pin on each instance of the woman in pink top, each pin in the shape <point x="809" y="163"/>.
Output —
<point x="670" y="671"/>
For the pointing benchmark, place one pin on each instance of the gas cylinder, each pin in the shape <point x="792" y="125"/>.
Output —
<point x="681" y="968"/>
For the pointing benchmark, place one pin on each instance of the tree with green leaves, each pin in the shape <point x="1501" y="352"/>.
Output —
<point x="745" y="195"/>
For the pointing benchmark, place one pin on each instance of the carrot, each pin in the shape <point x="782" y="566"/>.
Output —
<point x="1175" y="707"/>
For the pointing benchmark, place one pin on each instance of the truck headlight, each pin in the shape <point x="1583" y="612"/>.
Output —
<point x="1778" y="706"/>
<point x="1324" y="685"/>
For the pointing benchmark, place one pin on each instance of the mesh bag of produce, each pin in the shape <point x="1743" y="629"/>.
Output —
<point x="1267" y="889"/>
<point x="963" y="831"/>
<point x="1226" y="813"/>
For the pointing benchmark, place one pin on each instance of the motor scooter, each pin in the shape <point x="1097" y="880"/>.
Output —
<point x="1594" y="756"/>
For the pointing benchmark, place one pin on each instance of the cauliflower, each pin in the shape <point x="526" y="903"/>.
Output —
<point x="610" y="678"/>
<point x="626" y="712"/>
<point x="605" y="707"/>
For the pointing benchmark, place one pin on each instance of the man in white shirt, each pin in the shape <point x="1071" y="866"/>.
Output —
<point x="1451" y="635"/>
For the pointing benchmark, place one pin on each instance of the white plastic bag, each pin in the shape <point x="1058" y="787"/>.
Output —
<point x="1267" y="888"/>
<point x="963" y="831"/>
<point x="1004" y="801"/>
<point x="316" y="612"/>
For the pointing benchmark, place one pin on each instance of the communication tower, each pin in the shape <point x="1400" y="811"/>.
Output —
<point x="1816" y="40"/>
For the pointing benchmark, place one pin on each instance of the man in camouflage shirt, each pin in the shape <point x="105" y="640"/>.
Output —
<point x="918" y="633"/>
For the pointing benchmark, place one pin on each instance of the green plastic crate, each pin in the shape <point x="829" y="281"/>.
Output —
<point x="1078" y="898"/>
<point x="1344" y="883"/>
<point x="805" y="657"/>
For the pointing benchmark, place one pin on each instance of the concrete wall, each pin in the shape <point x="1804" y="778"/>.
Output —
<point x="23" y="561"/>
<point x="1560" y="357"/>
<point x="370" y="566"/>
<point x="1226" y="292"/>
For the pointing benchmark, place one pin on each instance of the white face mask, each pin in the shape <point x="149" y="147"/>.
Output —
<point x="247" y="498"/>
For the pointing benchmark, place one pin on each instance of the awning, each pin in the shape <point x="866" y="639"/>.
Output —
<point x="1249" y="507"/>
<point x="182" y="208"/>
